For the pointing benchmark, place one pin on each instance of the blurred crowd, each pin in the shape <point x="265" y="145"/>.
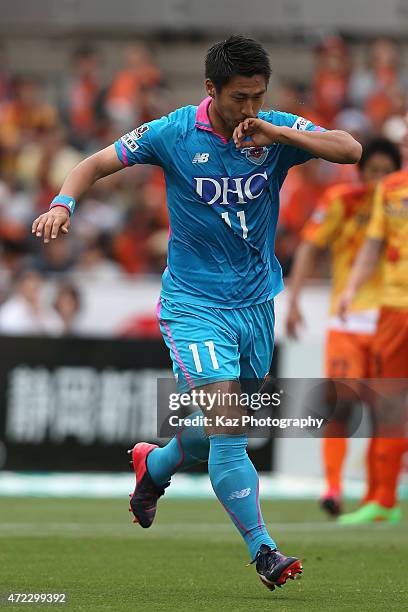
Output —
<point x="365" y="100"/>
<point x="121" y="225"/>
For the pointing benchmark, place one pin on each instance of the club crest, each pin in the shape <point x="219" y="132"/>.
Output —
<point x="256" y="155"/>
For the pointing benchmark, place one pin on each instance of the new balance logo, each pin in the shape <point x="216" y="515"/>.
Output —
<point x="239" y="494"/>
<point x="201" y="158"/>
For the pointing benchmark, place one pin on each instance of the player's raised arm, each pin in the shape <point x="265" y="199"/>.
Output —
<point x="335" y="145"/>
<point x="369" y="255"/>
<point x="77" y="183"/>
<point x="317" y="234"/>
<point x="363" y="268"/>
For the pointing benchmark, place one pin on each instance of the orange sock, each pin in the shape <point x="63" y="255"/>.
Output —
<point x="370" y="471"/>
<point x="388" y="456"/>
<point x="334" y="452"/>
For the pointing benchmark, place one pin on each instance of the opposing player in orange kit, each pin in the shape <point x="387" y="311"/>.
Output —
<point x="340" y="223"/>
<point x="386" y="245"/>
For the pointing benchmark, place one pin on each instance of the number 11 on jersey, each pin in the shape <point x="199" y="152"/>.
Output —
<point x="242" y="220"/>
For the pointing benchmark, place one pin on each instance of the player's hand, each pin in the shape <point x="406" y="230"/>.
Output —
<point x="294" y="321"/>
<point x="343" y="303"/>
<point x="51" y="223"/>
<point x="255" y="133"/>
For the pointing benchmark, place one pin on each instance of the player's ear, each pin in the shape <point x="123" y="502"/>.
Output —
<point x="209" y="85"/>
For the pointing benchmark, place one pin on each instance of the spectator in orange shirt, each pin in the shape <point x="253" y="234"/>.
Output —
<point x="296" y="210"/>
<point x="123" y="97"/>
<point x="80" y="95"/>
<point x="23" y="118"/>
<point x="330" y="82"/>
<point x="379" y="89"/>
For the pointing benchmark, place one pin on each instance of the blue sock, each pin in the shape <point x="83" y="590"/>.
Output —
<point x="189" y="446"/>
<point x="236" y="484"/>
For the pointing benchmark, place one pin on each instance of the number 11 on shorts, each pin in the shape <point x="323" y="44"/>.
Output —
<point x="196" y="356"/>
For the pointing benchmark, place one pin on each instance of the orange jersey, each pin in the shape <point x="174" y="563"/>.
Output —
<point x="389" y="222"/>
<point x="340" y="223"/>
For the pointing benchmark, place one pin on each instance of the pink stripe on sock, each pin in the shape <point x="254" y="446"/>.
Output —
<point x="180" y="447"/>
<point x="240" y="525"/>
<point x="259" y="508"/>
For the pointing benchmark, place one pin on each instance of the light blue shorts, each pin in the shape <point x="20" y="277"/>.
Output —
<point x="211" y="344"/>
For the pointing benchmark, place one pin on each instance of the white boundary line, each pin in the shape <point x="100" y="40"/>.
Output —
<point x="184" y="486"/>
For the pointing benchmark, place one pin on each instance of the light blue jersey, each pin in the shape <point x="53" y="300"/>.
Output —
<point x="223" y="205"/>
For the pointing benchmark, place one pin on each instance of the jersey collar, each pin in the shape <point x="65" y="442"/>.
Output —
<point x="203" y="120"/>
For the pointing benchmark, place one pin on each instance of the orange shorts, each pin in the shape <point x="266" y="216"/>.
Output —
<point x="348" y="355"/>
<point x="390" y="347"/>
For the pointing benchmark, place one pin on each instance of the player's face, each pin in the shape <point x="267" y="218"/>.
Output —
<point x="377" y="167"/>
<point x="240" y="98"/>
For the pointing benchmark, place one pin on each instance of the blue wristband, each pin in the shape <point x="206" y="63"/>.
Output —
<point x="65" y="201"/>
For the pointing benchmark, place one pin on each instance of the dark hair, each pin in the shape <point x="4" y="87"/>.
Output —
<point x="67" y="288"/>
<point x="83" y="52"/>
<point x="236" y="56"/>
<point x="384" y="147"/>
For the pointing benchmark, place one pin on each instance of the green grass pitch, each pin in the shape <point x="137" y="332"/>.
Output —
<point x="193" y="559"/>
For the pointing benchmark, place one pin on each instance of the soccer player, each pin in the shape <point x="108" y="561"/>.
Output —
<point x="340" y="223"/>
<point x="386" y="244"/>
<point x="224" y="163"/>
